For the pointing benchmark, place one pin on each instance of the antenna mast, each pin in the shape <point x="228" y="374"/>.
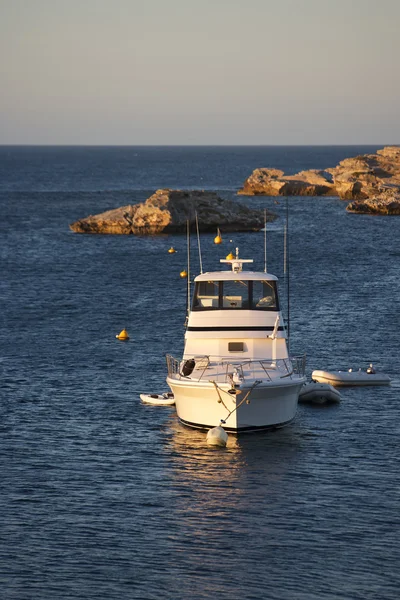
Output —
<point x="188" y="264"/>
<point x="265" y="240"/>
<point x="286" y="267"/>
<point x="198" y="243"/>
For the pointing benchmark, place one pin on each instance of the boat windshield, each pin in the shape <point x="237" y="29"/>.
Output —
<point x="235" y="294"/>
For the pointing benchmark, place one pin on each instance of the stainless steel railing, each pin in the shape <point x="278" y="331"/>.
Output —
<point x="173" y="365"/>
<point x="223" y="370"/>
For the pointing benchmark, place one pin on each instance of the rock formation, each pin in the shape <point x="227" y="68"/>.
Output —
<point x="273" y="182"/>
<point x="363" y="176"/>
<point x="354" y="178"/>
<point x="167" y="211"/>
<point x="386" y="202"/>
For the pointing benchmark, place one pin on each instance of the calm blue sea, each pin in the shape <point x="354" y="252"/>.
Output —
<point x="104" y="498"/>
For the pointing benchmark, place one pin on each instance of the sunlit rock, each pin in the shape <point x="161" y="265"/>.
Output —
<point x="167" y="211"/>
<point x="360" y="177"/>
<point x="386" y="202"/>
<point x="273" y="182"/>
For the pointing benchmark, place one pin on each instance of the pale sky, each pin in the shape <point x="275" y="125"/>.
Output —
<point x="199" y="72"/>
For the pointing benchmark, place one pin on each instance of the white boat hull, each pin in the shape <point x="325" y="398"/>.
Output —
<point x="350" y="378"/>
<point x="271" y="405"/>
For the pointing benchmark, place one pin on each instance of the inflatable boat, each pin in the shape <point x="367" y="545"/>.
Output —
<point x="350" y="377"/>
<point x="166" y="399"/>
<point x="318" y="393"/>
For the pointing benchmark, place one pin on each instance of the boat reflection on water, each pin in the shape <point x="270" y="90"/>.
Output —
<point x="226" y="500"/>
<point x="244" y="460"/>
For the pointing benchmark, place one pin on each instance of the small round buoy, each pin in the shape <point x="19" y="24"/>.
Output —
<point x="217" y="436"/>
<point x="171" y="250"/>
<point x="218" y="238"/>
<point x="123" y="335"/>
<point x="183" y="274"/>
<point x="230" y="256"/>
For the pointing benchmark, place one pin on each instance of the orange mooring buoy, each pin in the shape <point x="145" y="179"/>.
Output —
<point x="218" y="238"/>
<point x="123" y="335"/>
<point x="230" y="256"/>
<point x="183" y="274"/>
<point x="171" y="250"/>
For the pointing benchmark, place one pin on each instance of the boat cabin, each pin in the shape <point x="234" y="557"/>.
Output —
<point x="235" y="315"/>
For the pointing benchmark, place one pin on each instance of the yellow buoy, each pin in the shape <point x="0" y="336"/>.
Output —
<point x="123" y="336"/>
<point x="171" y="250"/>
<point x="230" y="256"/>
<point x="218" y="238"/>
<point x="183" y="274"/>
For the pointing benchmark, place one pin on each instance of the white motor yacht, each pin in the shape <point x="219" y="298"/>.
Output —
<point x="236" y="370"/>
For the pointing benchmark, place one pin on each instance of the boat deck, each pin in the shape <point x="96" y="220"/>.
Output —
<point x="236" y="372"/>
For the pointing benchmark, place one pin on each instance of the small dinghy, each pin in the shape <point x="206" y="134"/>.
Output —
<point x="318" y="393"/>
<point x="350" y="377"/>
<point x="166" y="399"/>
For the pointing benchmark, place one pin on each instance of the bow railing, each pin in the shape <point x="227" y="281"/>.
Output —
<point x="227" y="371"/>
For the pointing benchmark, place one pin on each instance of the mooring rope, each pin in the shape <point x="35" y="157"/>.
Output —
<point x="245" y="399"/>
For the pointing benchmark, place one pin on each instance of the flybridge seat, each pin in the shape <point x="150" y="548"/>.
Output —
<point x="208" y="302"/>
<point x="232" y="301"/>
<point x="227" y="302"/>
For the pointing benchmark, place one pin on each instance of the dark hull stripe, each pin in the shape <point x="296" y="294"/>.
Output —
<point x="233" y="328"/>
<point x="239" y="430"/>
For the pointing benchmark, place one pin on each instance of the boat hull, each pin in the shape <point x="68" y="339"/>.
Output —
<point x="269" y="406"/>
<point x="350" y="378"/>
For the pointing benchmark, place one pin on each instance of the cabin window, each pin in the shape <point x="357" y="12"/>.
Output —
<point x="206" y="295"/>
<point x="235" y="294"/>
<point x="264" y="295"/>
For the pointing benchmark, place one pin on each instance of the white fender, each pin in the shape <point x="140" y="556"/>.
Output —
<point x="217" y="436"/>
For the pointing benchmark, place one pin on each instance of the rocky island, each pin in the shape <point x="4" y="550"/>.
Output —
<point x="167" y="211"/>
<point x="372" y="177"/>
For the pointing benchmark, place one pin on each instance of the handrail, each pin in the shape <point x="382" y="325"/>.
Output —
<point x="289" y="367"/>
<point x="173" y="365"/>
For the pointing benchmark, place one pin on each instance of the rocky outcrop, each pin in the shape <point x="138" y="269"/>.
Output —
<point x="273" y="182"/>
<point x="386" y="202"/>
<point x="354" y="178"/>
<point x="167" y="211"/>
<point x="363" y="176"/>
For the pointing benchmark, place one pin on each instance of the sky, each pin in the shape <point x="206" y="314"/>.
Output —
<point x="176" y="72"/>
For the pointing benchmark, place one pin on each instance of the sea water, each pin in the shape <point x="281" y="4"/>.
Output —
<point x="104" y="497"/>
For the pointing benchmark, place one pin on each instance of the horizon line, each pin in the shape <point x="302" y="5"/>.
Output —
<point x="87" y="145"/>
